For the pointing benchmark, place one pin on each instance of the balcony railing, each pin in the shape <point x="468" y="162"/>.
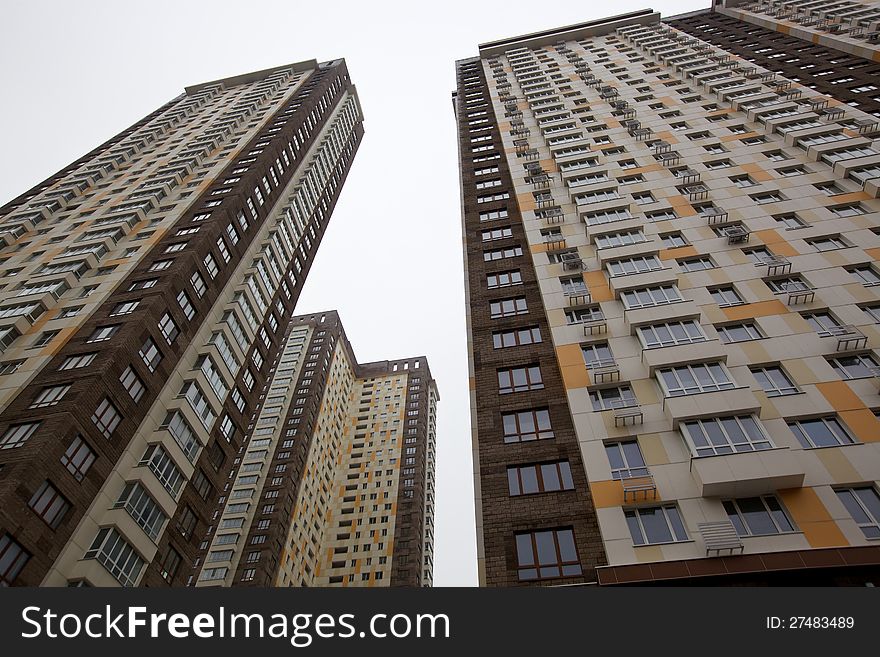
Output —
<point x="720" y="536"/>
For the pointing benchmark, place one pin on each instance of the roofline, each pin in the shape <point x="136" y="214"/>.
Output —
<point x="245" y="78"/>
<point x="571" y="32"/>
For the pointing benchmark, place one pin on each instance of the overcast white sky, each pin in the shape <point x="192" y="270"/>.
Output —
<point x="74" y="74"/>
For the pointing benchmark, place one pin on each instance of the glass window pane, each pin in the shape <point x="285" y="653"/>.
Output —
<point x="635" y="529"/>
<point x="756" y="516"/>
<point x="546" y="548"/>
<point x="550" y="476"/>
<point x="513" y="481"/>
<point x="654" y="523"/>
<point x="567" y="549"/>
<point x="567" y="482"/>
<point x="529" y="478"/>
<point x="524" y="554"/>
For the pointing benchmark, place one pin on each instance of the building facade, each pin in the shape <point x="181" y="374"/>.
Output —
<point x="830" y="47"/>
<point x="335" y="486"/>
<point x="673" y="313"/>
<point x="146" y="290"/>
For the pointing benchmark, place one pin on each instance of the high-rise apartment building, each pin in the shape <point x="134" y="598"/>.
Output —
<point x="335" y="486"/>
<point x="672" y="312"/>
<point x="146" y="290"/>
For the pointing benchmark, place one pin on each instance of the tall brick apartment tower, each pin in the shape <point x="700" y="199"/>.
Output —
<point x="146" y="290"/>
<point x="673" y="312"/>
<point x="336" y="484"/>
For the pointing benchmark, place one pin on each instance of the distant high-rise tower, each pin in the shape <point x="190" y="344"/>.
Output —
<point x="146" y="289"/>
<point x="335" y="486"/>
<point x="672" y="309"/>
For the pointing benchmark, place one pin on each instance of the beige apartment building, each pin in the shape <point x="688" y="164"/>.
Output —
<point x="336" y="484"/>
<point x="673" y="310"/>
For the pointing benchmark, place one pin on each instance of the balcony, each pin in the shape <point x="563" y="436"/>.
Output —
<point x="737" y="234"/>
<point x="703" y="351"/>
<point x="711" y="404"/>
<point x="604" y="370"/>
<point x="747" y="474"/>
<point x="775" y="264"/>
<point x="554" y="242"/>
<point x="638" y="487"/>
<point x="627" y="412"/>
<point x="719" y="537"/>
<point x="572" y="262"/>
<point x="848" y="337"/>
<point x="715" y="215"/>
<point x="577" y="296"/>
<point x="798" y="293"/>
<point x="551" y="216"/>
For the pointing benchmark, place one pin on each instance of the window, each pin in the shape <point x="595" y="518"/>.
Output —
<point x="539" y="478"/>
<point x="508" y="307"/>
<point x="829" y="243"/>
<point x="696" y="264"/>
<point x="150" y="354"/>
<point x="75" y="362"/>
<point x="547" y="554"/>
<point x="650" y="296"/>
<point x="106" y="418"/>
<point x="790" y="221"/>
<point x="605" y="399"/>
<point x="873" y="312"/>
<point x="726" y="296"/>
<point x="635" y="265"/>
<point x="824" y="323"/>
<point x="725" y="435"/>
<point x="787" y="284"/>
<point x="169" y="328"/>
<point x="103" y="333"/>
<point x="655" y="525"/>
<point x="865" y="274"/>
<point x="694" y="379"/>
<point x="49" y="504"/>
<point x="743" y="181"/>
<point x="626" y="459"/>
<point x="820" y="432"/>
<point x="124" y="308"/>
<point x="503" y="279"/>
<point x="519" y="379"/>
<point x="524" y="426"/>
<point x="170" y="564"/>
<point x="767" y="197"/>
<point x="49" y="396"/>
<point x="670" y="333"/>
<point x="199" y="403"/>
<point x="862" y="503"/>
<point x="501" y="254"/>
<point x="116" y="555"/>
<point x="848" y="210"/>
<point x="185" y="304"/>
<point x="619" y="239"/>
<point x="497" y="234"/>
<point x="758" y="516"/>
<point x="142" y="508"/>
<point x="516" y="337"/>
<point x="132" y="384"/>
<point x="859" y="366"/>
<point x="78" y="458"/>
<point x="673" y="240"/>
<point x="774" y="381"/>
<point x="13" y="557"/>
<point x="661" y="215"/>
